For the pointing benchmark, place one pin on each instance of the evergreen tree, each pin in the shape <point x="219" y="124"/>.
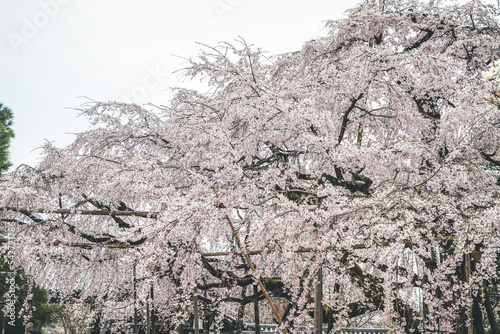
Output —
<point x="6" y="134"/>
<point x="42" y="313"/>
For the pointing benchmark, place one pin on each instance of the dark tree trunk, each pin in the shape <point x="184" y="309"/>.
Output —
<point x="256" y="309"/>
<point x="318" y="306"/>
<point x="96" y="326"/>
<point x="477" y="316"/>
<point x="489" y="310"/>
<point x="329" y="317"/>
<point x="239" y="321"/>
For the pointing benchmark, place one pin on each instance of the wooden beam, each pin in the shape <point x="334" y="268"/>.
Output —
<point x="26" y="210"/>
<point x="89" y="245"/>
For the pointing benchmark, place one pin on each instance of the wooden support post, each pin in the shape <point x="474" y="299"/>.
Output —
<point x="206" y="319"/>
<point x="148" y="323"/>
<point x="318" y="305"/>
<point x="470" y="326"/>
<point x="256" y="309"/>
<point x="250" y="264"/>
<point x="136" y="329"/>
<point x="241" y="313"/>
<point x="195" y="312"/>
<point x="153" y="327"/>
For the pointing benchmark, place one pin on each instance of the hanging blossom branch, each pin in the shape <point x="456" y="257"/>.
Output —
<point x="493" y="74"/>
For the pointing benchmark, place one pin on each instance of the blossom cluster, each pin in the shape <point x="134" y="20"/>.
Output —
<point x="493" y="73"/>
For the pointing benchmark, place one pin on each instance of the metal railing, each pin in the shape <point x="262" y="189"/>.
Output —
<point x="271" y="328"/>
<point x="363" y="331"/>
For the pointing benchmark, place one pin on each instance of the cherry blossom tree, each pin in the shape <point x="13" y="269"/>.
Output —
<point x="370" y="155"/>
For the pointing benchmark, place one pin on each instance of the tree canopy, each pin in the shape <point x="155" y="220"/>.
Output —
<point x="6" y="134"/>
<point x="370" y="154"/>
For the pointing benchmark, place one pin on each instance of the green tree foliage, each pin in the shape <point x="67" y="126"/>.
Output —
<point x="42" y="313"/>
<point x="6" y="134"/>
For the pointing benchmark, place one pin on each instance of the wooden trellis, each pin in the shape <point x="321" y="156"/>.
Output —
<point x="155" y="215"/>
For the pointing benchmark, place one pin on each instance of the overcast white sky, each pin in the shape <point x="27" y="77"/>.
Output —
<point x="54" y="51"/>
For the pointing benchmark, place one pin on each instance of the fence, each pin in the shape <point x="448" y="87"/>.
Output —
<point x="271" y="328"/>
